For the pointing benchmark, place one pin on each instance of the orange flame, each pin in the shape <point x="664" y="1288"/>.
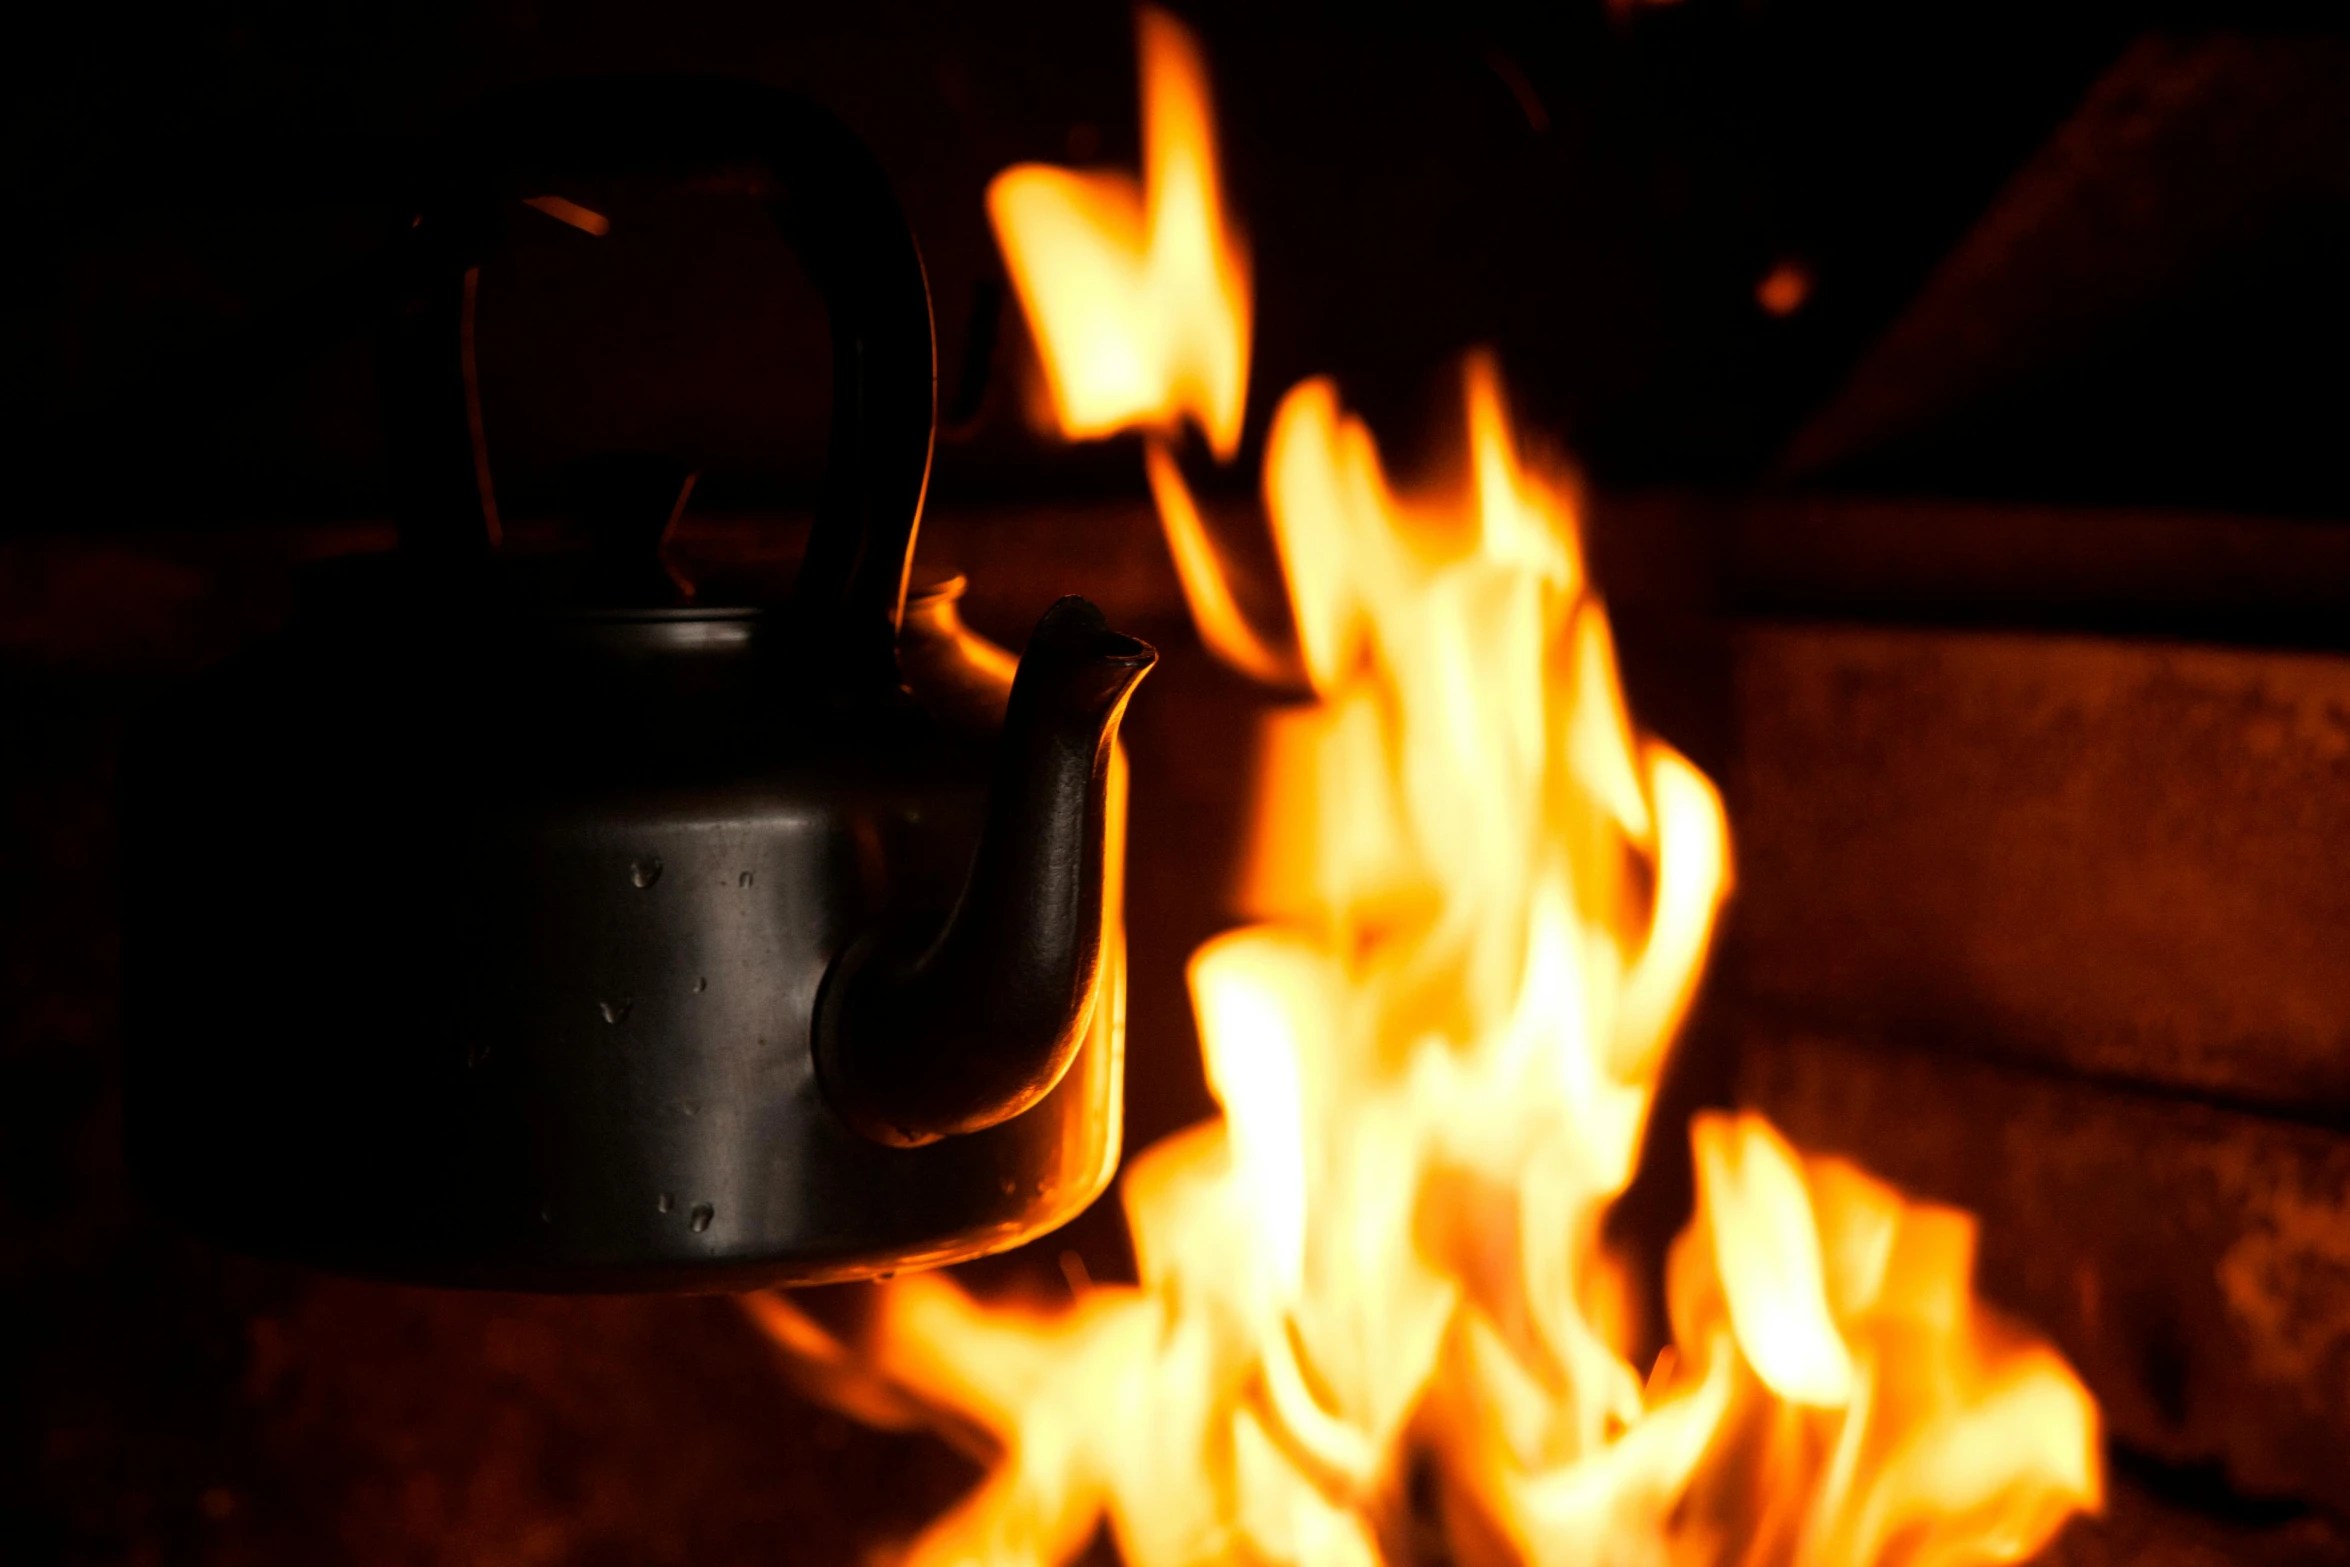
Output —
<point x="1486" y="903"/>
<point x="1137" y="294"/>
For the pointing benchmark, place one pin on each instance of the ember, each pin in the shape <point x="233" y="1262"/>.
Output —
<point x="1486" y="903"/>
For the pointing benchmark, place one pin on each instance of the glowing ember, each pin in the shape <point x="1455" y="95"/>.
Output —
<point x="1486" y="904"/>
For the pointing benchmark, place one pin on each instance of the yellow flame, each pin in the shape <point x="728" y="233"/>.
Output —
<point x="1955" y="1438"/>
<point x="1137" y="293"/>
<point x="1485" y="904"/>
<point x="1206" y="589"/>
<point x="1767" y="1248"/>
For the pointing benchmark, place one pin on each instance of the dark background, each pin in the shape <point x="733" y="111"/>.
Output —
<point x="1596" y="190"/>
<point x="2079" y="264"/>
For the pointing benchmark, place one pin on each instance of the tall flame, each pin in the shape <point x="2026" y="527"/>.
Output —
<point x="1374" y="1297"/>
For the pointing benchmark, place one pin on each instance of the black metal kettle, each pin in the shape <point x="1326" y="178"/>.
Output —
<point x="546" y="928"/>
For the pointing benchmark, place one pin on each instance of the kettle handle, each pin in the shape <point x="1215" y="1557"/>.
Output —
<point x="834" y="205"/>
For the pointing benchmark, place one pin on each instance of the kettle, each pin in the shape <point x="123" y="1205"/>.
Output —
<point x="534" y="924"/>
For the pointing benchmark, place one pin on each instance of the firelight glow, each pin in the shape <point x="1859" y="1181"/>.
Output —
<point x="1375" y="1297"/>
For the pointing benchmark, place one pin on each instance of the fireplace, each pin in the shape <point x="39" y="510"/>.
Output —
<point x="2006" y="623"/>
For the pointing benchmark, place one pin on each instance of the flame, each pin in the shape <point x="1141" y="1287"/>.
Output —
<point x="1374" y="1297"/>
<point x="1901" y="1420"/>
<point x="1137" y="293"/>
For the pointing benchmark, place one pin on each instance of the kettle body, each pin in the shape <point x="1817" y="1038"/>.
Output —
<point x="527" y="926"/>
<point x="490" y="954"/>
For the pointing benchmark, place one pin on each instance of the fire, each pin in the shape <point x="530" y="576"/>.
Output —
<point x="1137" y="295"/>
<point x="1375" y="1297"/>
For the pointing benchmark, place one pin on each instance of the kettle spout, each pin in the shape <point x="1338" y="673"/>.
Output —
<point x="923" y="1031"/>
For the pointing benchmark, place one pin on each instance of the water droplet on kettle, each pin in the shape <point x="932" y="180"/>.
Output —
<point x="885" y="1275"/>
<point x="701" y="983"/>
<point x="615" y="1011"/>
<point x="744" y="880"/>
<point x="701" y="1216"/>
<point x="646" y="871"/>
<point x="1007" y="1186"/>
<point x="546" y="1216"/>
<point x="664" y="1202"/>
